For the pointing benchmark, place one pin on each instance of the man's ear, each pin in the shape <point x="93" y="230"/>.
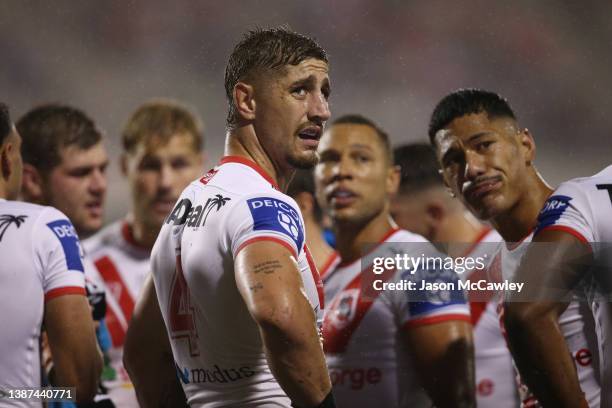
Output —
<point x="123" y="164"/>
<point x="528" y="146"/>
<point x="244" y="101"/>
<point x="393" y="180"/>
<point x="32" y="183"/>
<point x="5" y="161"/>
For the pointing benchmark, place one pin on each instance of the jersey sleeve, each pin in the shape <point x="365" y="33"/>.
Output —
<point x="436" y="296"/>
<point x="271" y="217"/>
<point x="60" y="254"/>
<point x="567" y="209"/>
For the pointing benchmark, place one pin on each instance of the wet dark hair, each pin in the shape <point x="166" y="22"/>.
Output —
<point x="419" y="167"/>
<point x="5" y="122"/>
<point x="262" y="51"/>
<point x="46" y="129"/>
<point x="383" y="137"/>
<point x="465" y="102"/>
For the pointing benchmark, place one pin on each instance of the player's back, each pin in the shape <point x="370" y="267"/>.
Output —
<point x="216" y="343"/>
<point x="41" y="259"/>
<point x="583" y="207"/>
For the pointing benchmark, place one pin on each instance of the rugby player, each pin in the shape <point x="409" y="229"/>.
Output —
<point x="571" y="249"/>
<point x="162" y="153"/>
<point x="302" y="190"/>
<point x="41" y="283"/>
<point x="65" y="165"/>
<point x="488" y="161"/>
<point x="237" y="287"/>
<point x="424" y="206"/>
<point x="383" y="349"/>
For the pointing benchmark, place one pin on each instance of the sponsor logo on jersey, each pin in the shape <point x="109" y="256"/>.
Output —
<point x="6" y="220"/>
<point x="355" y="378"/>
<point x="69" y="239"/>
<point x="554" y="207"/>
<point x="185" y="213"/>
<point x="273" y="214"/>
<point x="214" y="375"/>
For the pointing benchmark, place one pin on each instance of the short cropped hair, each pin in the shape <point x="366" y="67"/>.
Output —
<point x="262" y="51"/>
<point x="161" y="119"/>
<point x="48" y="128"/>
<point x="419" y="167"/>
<point x="5" y="122"/>
<point x="383" y="137"/>
<point x="303" y="182"/>
<point x="465" y="102"/>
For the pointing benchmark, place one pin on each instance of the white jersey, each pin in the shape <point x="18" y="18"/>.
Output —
<point x="366" y="351"/>
<point x="583" y="208"/>
<point x="495" y="378"/>
<point x="41" y="260"/>
<point x="216" y="344"/>
<point x="576" y="324"/>
<point x="121" y="267"/>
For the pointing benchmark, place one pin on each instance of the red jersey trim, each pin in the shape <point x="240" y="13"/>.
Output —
<point x="315" y="276"/>
<point x="385" y="237"/>
<point x="249" y="163"/>
<point x="128" y="236"/>
<point x="111" y="275"/>
<point x="437" y="319"/>
<point x="66" y="290"/>
<point x="569" y="230"/>
<point x="266" y="238"/>
<point x="483" y="233"/>
<point x="327" y="265"/>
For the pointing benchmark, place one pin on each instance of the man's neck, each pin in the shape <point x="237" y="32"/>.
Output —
<point x="351" y="238"/>
<point x="243" y="142"/>
<point x="517" y="223"/>
<point x="142" y="235"/>
<point x="320" y="249"/>
<point x="459" y="231"/>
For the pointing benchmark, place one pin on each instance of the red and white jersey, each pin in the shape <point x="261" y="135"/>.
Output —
<point x="366" y="352"/>
<point x="495" y="378"/>
<point x="217" y="346"/>
<point x="583" y="208"/>
<point x="121" y="267"/>
<point x="576" y="323"/>
<point x="41" y="260"/>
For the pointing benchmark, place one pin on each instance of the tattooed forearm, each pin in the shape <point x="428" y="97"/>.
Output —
<point x="267" y="267"/>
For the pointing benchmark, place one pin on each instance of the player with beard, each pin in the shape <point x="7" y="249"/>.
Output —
<point x="233" y="279"/>
<point x="488" y="161"/>
<point x="386" y="348"/>
<point x="65" y="167"/>
<point x="41" y="282"/>
<point x="162" y="153"/>
<point x="424" y="206"/>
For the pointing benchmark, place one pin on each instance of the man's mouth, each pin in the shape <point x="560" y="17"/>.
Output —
<point x="341" y="197"/>
<point x="163" y="205"/>
<point x="310" y="135"/>
<point x="95" y="208"/>
<point x="479" y="188"/>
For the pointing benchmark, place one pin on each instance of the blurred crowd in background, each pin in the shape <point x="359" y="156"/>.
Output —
<point x="391" y="60"/>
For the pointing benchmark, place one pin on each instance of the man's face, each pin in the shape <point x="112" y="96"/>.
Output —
<point x="77" y="186"/>
<point x="291" y="110"/>
<point x="14" y="155"/>
<point x="409" y="210"/>
<point x="485" y="162"/>
<point x="354" y="178"/>
<point x="158" y="173"/>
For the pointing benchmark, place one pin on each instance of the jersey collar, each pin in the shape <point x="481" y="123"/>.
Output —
<point x="249" y="163"/>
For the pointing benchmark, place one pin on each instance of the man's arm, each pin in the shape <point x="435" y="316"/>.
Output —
<point x="550" y="272"/>
<point x="147" y="355"/>
<point x="444" y="356"/>
<point x="269" y="281"/>
<point x="72" y="339"/>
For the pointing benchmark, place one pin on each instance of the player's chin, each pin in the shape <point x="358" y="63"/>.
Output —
<point x="306" y="159"/>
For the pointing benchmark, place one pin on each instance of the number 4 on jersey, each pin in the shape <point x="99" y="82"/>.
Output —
<point x="182" y="322"/>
